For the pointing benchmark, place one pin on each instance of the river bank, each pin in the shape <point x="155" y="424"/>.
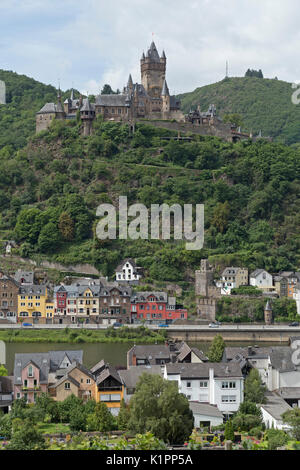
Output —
<point x="72" y="336"/>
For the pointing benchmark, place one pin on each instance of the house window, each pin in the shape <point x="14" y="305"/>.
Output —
<point x="67" y="386"/>
<point x="203" y="384"/>
<point x="88" y="381"/>
<point x="30" y="371"/>
<point x="228" y="384"/>
<point x="228" y="399"/>
<point x="188" y="385"/>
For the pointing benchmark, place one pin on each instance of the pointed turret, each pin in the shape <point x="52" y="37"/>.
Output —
<point x="130" y="82"/>
<point x="165" y="89"/>
<point x="163" y="56"/>
<point x="72" y="94"/>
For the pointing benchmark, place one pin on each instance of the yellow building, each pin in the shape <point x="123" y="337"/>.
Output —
<point x="109" y="387"/>
<point x="34" y="305"/>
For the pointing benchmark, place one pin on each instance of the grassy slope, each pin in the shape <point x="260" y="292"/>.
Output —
<point x="264" y="104"/>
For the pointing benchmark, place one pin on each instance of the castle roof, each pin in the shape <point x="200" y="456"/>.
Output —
<point x="152" y="53"/>
<point x="87" y="106"/>
<point x="111" y="100"/>
<point x="165" y="89"/>
<point x="48" y="108"/>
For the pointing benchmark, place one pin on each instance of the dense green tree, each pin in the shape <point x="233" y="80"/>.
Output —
<point x="229" y="432"/>
<point x="216" y="349"/>
<point x="159" y="408"/>
<point x="3" y="370"/>
<point x="292" y="418"/>
<point x="254" y="388"/>
<point x="101" y="420"/>
<point x="26" y="436"/>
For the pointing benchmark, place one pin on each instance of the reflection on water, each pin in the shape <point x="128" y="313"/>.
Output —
<point x="113" y="353"/>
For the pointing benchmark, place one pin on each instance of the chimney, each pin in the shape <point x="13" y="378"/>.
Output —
<point x="211" y="397"/>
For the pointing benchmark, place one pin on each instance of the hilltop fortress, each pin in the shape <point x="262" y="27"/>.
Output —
<point x="148" y="100"/>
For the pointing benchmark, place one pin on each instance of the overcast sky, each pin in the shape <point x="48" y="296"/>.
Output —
<point x="86" y="43"/>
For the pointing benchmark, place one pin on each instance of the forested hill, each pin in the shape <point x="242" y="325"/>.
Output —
<point x="263" y="103"/>
<point x="24" y="97"/>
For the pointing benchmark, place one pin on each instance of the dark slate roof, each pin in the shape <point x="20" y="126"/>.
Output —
<point x="33" y="289"/>
<point x="126" y="260"/>
<point x="87" y="106"/>
<point x="131" y="376"/>
<point x="6" y="384"/>
<point x="56" y="358"/>
<point x="150" y="352"/>
<point x="281" y="359"/>
<point x="48" y="108"/>
<point x="235" y="353"/>
<point x="200" y="354"/>
<point x="152" y="53"/>
<point x="142" y="296"/>
<point x="111" y="100"/>
<point x="275" y="405"/>
<point x="108" y="372"/>
<point x="41" y="360"/>
<point x="98" y="367"/>
<point x="288" y="393"/>
<point x="65" y="378"/>
<point x="201" y="370"/>
<point x="6" y="277"/>
<point x="28" y="276"/>
<point x="165" y="89"/>
<point x="257" y="272"/>
<point x="205" y="409"/>
<point x="184" y="351"/>
<point x="82" y="368"/>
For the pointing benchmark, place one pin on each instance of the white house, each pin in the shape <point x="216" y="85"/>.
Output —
<point x="261" y="279"/>
<point x="128" y="271"/>
<point x="205" y="415"/>
<point x="216" y="384"/>
<point x="232" y="278"/>
<point x="296" y="296"/>
<point x="272" y="412"/>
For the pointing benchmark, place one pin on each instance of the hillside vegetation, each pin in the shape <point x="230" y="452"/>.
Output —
<point x="265" y="104"/>
<point x="52" y="183"/>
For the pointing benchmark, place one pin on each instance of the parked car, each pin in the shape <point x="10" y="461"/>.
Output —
<point x="117" y="325"/>
<point x="294" y="323"/>
<point x="26" y="324"/>
<point x="163" y="325"/>
<point x="213" y="325"/>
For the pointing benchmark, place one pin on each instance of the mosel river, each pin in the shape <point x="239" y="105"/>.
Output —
<point x="113" y="353"/>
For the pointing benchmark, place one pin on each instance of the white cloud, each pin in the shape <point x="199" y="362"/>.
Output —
<point x="94" y="42"/>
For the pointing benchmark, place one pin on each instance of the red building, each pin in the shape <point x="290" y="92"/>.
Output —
<point x="155" y="307"/>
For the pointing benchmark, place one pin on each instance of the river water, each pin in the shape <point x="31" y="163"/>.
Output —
<point x="113" y="353"/>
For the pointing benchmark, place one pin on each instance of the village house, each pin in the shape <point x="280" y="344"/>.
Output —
<point x="109" y="386"/>
<point x="157" y="354"/>
<point x="92" y="301"/>
<point x="155" y="308"/>
<point x="261" y="279"/>
<point x="77" y="380"/>
<point x="9" y="289"/>
<point x="232" y="278"/>
<point x="35" y="372"/>
<point x="292" y="279"/>
<point x="34" y="304"/>
<point x="213" y="383"/>
<point x="128" y="271"/>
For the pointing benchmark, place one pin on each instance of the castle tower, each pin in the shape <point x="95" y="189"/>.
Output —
<point x="268" y="314"/>
<point x="87" y="115"/>
<point x="60" y="114"/>
<point x="165" y="94"/>
<point x="129" y="85"/>
<point x="153" y="71"/>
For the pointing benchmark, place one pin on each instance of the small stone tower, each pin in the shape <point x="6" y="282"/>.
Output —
<point x="153" y="71"/>
<point x="87" y="115"/>
<point x="268" y="314"/>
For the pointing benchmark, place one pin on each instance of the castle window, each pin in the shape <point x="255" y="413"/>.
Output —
<point x="112" y="110"/>
<point x="119" y="110"/>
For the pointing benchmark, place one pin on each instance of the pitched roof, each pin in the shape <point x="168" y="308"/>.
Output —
<point x="65" y="378"/>
<point x="143" y="296"/>
<point x="257" y="272"/>
<point x="165" y="89"/>
<point x="98" y="367"/>
<point x="150" y="352"/>
<point x="201" y="370"/>
<point x="33" y="289"/>
<point x="275" y="406"/>
<point x="205" y="409"/>
<point x="28" y="276"/>
<point x="108" y="372"/>
<point x="111" y="100"/>
<point x="126" y="260"/>
<point x="130" y="377"/>
<point x="87" y="106"/>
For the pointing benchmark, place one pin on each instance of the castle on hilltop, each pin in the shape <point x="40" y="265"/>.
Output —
<point x="150" y="99"/>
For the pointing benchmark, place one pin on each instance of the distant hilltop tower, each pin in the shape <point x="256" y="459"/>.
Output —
<point x="153" y="71"/>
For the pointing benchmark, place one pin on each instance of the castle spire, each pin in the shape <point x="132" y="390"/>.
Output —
<point x="163" y="56"/>
<point x="165" y="89"/>
<point x="130" y="82"/>
<point x="72" y="94"/>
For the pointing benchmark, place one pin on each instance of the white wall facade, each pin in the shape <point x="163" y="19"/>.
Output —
<point x="262" y="280"/>
<point x="127" y="273"/>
